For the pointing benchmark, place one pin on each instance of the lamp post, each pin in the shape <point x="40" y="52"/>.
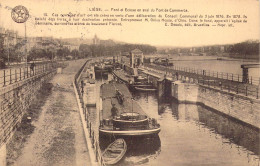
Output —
<point x="25" y="46"/>
<point x="20" y="14"/>
<point x="8" y="50"/>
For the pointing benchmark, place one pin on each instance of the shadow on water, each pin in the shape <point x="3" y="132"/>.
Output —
<point x="139" y="149"/>
<point x="236" y="131"/>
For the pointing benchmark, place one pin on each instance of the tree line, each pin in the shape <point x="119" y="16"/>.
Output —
<point x="87" y="50"/>
<point x="250" y="47"/>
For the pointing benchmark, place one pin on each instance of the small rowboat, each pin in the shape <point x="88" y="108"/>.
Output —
<point x="115" y="152"/>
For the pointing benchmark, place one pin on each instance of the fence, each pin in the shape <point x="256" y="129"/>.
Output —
<point x="91" y="131"/>
<point x="13" y="75"/>
<point x="223" y="81"/>
<point x="220" y="75"/>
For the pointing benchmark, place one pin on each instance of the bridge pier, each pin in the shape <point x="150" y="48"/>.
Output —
<point x="3" y="155"/>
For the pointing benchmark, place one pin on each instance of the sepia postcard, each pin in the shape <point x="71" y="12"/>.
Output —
<point x="129" y="83"/>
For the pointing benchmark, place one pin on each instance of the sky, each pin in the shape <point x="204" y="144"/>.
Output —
<point x="142" y="33"/>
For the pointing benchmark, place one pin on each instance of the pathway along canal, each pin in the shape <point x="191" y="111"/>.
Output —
<point x="190" y="135"/>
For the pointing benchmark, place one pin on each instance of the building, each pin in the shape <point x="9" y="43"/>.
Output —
<point x="96" y="40"/>
<point x="136" y="58"/>
<point x="71" y="47"/>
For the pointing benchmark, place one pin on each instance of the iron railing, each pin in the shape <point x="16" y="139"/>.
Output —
<point x="223" y="81"/>
<point x="93" y="138"/>
<point x="13" y="75"/>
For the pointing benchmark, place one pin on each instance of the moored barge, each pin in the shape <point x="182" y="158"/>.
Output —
<point x="134" y="82"/>
<point x="121" y="115"/>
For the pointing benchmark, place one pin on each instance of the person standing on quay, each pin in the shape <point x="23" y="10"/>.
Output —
<point x="32" y="67"/>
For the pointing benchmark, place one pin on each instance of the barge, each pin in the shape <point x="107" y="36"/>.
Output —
<point x="121" y="115"/>
<point x="134" y="82"/>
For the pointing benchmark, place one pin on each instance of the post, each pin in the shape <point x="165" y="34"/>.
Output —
<point x="257" y="89"/>
<point x="20" y="74"/>
<point x="10" y="76"/>
<point x="92" y="140"/>
<point x="24" y="73"/>
<point x="4" y="78"/>
<point x="15" y="75"/>
<point x="246" y="90"/>
<point x="96" y="152"/>
<point x="90" y="130"/>
<point x="25" y="49"/>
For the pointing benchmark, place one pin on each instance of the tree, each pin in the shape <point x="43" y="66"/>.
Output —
<point x="2" y="57"/>
<point x="63" y="52"/>
<point x="75" y="54"/>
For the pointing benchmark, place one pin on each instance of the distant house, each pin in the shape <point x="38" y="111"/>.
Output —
<point x="71" y="47"/>
<point x="127" y="54"/>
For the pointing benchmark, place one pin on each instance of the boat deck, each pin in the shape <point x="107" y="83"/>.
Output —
<point x="108" y="95"/>
<point x="123" y="75"/>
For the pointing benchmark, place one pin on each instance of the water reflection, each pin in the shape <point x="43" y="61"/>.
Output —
<point x="195" y="135"/>
<point x="237" y="132"/>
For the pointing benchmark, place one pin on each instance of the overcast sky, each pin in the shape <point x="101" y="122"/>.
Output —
<point x="145" y="33"/>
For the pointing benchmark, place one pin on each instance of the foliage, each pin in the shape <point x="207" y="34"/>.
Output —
<point x="111" y="50"/>
<point x="249" y="47"/>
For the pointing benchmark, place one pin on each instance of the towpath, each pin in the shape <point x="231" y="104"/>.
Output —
<point x="58" y="138"/>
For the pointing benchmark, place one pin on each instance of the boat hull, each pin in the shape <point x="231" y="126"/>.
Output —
<point x="145" y="89"/>
<point x="115" y="152"/>
<point x="130" y="132"/>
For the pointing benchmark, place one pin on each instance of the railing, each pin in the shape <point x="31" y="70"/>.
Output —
<point x="93" y="138"/>
<point x="13" y="75"/>
<point x="220" y="75"/>
<point x="223" y="81"/>
<point x="94" y="142"/>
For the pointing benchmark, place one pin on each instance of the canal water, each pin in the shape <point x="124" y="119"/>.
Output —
<point x="190" y="135"/>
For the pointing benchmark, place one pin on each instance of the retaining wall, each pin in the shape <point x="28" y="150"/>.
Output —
<point x="14" y="101"/>
<point x="237" y="106"/>
<point x="240" y="107"/>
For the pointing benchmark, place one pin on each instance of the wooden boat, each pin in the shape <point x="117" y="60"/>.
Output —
<point x="130" y="119"/>
<point x="115" y="152"/>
